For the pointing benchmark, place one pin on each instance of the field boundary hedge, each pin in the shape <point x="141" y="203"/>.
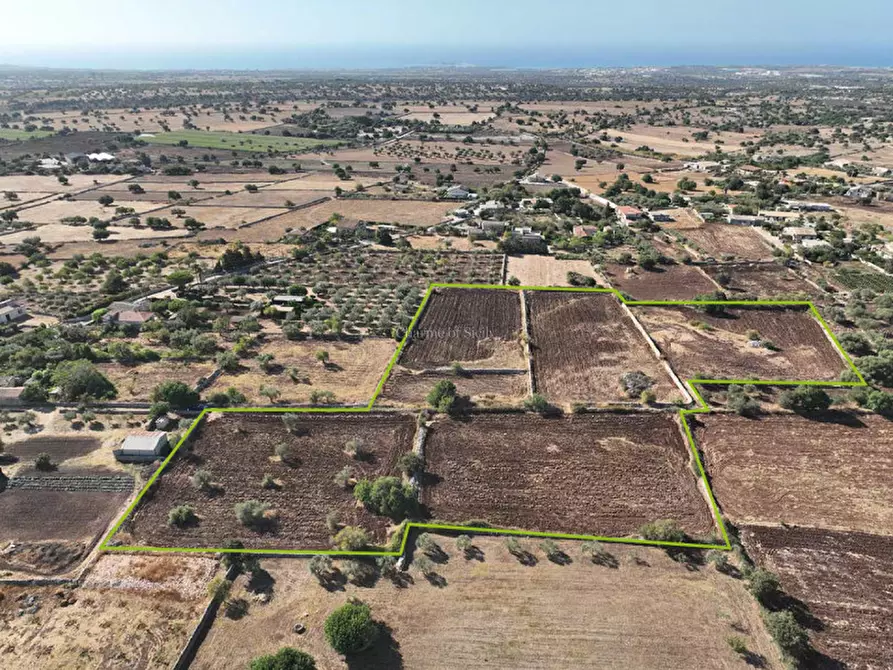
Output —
<point x="701" y="407"/>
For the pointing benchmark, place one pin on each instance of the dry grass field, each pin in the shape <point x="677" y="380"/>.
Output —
<point x="76" y="182"/>
<point x="221" y="217"/>
<point x="833" y="472"/>
<point x="55" y="211"/>
<point x="326" y="181"/>
<point x="449" y="118"/>
<point x="136" y="383"/>
<point x="535" y="270"/>
<point x="405" y="388"/>
<point x="135" y="614"/>
<point x="405" y="212"/>
<point x="265" y="197"/>
<point x="353" y="372"/>
<point x="583" y="343"/>
<point x="649" y="613"/>
<point x="53" y="233"/>
<point x="699" y="345"/>
<point x="447" y="243"/>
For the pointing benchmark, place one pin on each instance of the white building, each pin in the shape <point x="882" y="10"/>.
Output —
<point x="11" y="311"/>
<point x="142" y="447"/>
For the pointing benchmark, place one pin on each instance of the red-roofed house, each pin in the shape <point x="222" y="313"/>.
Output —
<point x="628" y="214"/>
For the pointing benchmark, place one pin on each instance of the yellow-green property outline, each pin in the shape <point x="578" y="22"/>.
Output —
<point x="701" y="408"/>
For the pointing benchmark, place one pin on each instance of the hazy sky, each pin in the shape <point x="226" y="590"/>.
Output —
<point x="91" y="29"/>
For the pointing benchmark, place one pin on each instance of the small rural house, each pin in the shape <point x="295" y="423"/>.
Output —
<point x="629" y="214"/>
<point x="143" y="447"/>
<point x="859" y="192"/>
<point x="779" y="216"/>
<point x="11" y="396"/>
<point x="457" y="193"/>
<point x="799" y="233"/>
<point x="745" y="220"/>
<point x="585" y="231"/>
<point x="11" y="311"/>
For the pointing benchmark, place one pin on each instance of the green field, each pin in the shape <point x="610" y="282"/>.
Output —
<point x="857" y="279"/>
<point x="13" y="134"/>
<point x="238" y="141"/>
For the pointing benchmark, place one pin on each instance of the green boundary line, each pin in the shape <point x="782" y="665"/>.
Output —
<point x="701" y="408"/>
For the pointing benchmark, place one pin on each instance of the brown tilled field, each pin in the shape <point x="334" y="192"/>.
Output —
<point x="719" y="240"/>
<point x="477" y="327"/>
<point x="650" y="613"/>
<point x="239" y="449"/>
<point x="844" y="579"/>
<point x="716" y="347"/>
<point x="601" y="474"/>
<point x="583" y="343"/>
<point x="665" y="282"/>
<point x="763" y="280"/>
<point x="406" y="389"/>
<point x="832" y="473"/>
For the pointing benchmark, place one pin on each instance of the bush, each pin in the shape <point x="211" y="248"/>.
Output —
<point x="636" y="383"/>
<point x="805" y="399"/>
<point x="268" y="482"/>
<point x="387" y="496"/>
<point x="284" y="659"/>
<point x="177" y="394"/>
<point x="663" y="530"/>
<point x="411" y="463"/>
<point x="181" y="515"/>
<point x="287" y="454"/>
<point x="443" y="396"/>
<point x="764" y="586"/>
<point x="536" y="403"/>
<point x="219" y="588"/>
<point x="352" y="538"/>
<point x="44" y="463"/>
<point x="201" y="480"/>
<point x="350" y="628"/>
<point x="789" y="635"/>
<point x="739" y="401"/>
<point x="320" y="566"/>
<point x="251" y="512"/>
<point x="738" y="645"/>
<point x="80" y="379"/>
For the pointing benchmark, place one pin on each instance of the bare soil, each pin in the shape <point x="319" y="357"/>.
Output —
<point x="583" y="343"/>
<point x="407" y="389"/>
<point x="844" y="581"/>
<point x="477" y="327"/>
<point x="716" y="347"/>
<point x="665" y="282"/>
<point x="239" y="449"/>
<point x="832" y="471"/>
<point x="719" y="240"/>
<point x="601" y="474"/>
<point x="762" y="280"/>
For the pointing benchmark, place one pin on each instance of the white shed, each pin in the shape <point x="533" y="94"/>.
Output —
<point x="142" y="447"/>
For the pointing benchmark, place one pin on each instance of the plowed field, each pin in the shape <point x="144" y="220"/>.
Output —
<point x="762" y="280"/>
<point x="836" y="473"/>
<point x="699" y="344"/>
<point x="671" y="282"/>
<point x="845" y="581"/>
<point x="583" y="343"/>
<point x="481" y="327"/>
<point x="404" y="388"/>
<point x="238" y="449"/>
<point x="593" y="473"/>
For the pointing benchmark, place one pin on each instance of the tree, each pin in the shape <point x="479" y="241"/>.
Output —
<point x="764" y="586"/>
<point x="114" y="283"/>
<point x="805" y="399"/>
<point x="686" y="184"/>
<point x="286" y="658"/>
<point x="663" y="530"/>
<point x="350" y="628"/>
<point x="44" y="463"/>
<point x="181" y="515"/>
<point x="270" y="392"/>
<point x="443" y="396"/>
<point x="101" y="233"/>
<point x="411" y="463"/>
<point x="106" y="200"/>
<point x="180" y="278"/>
<point x="789" y="635"/>
<point x="387" y="496"/>
<point x="79" y="380"/>
<point x="176" y="393"/>
<point x="352" y="538"/>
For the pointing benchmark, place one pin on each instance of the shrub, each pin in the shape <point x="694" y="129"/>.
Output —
<point x="292" y="423"/>
<point x="550" y="548"/>
<point x="284" y="659"/>
<point x="320" y="566"/>
<point x="805" y="399"/>
<point x="789" y="635"/>
<point x="181" y="515"/>
<point x="443" y="396"/>
<point x="352" y="538"/>
<point x="427" y="543"/>
<point x="648" y="397"/>
<point x="737" y="643"/>
<point x="464" y="544"/>
<point x="387" y="496"/>
<point x="80" y="379"/>
<point x="662" y="530"/>
<point x="411" y="463"/>
<point x="251" y="512"/>
<point x="201" y="480"/>
<point x="635" y="383"/>
<point x="219" y="589"/>
<point x="355" y="448"/>
<point x="177" y="394"/>
<point x="350" y="628"/>
<point x="287" y="454"/>
<point x="268" y="482"/>
<point x="764" y="586"/>
<point x="358" y="572"/>
<point x="536" y="403"/>
<point x="44" y="462"/>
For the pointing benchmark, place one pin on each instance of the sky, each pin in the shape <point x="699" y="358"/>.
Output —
<point x="258" y="34"/>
